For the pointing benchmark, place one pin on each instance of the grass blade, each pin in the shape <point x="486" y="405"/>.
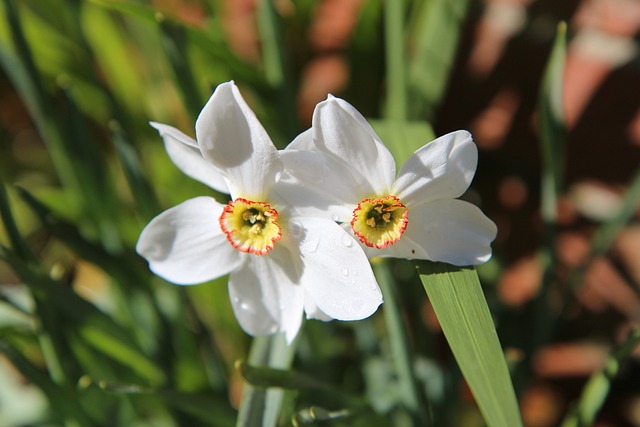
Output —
<point x="458" y="301"/>
<point x="597" y="388"/>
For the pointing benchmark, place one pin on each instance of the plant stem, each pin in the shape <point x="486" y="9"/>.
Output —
<point x="412" y="396"/>
<point x="396" y="106"/>
<point x="261" y="406"/>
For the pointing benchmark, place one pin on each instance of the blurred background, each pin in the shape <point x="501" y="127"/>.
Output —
<point x="89" y="337"/>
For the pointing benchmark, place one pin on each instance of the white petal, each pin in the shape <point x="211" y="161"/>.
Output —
<point x="452" y="231"/>
<point x="304" y="141"/>
<point x="440" y="169"/>
<point x="317" y="185"/>
<point x="339" y="128"/>
<point x="312" y="310"/>
<point x="185" y="244"/>
<point x="232" y="139"/>
<point x="336" y="272"/>
<point x="186" y="155"/>
<point x="265" y="297"/>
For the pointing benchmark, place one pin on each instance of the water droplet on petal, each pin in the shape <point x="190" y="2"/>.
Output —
<point x="347" y="240"/>
<point x="310" y="245"/>
<point x="295" y="228"/>
<point x="244" y="306"/>
<point x="236" y="300"/>
<point x="335" y="217"/>
<point x="345" y="272"/>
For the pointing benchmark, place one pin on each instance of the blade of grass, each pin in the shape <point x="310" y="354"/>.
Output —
<point x="396" y="105"/>
<point x="434" y="33"/>
<point x="142" y="191"/>
<point x="459" y="303"/>
<point x="413" y="398"/>
<point x="212" y="409"/>
<point x="597" y="388"/>
<point x="93" y="325"/>
<point x="552" y="148"/>
<point x="276" y="68"/>
<point x="63" y="400"/>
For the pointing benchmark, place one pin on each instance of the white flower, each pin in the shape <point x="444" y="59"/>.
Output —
<point x="281" y="264"/>
<point x="414" y="215"/>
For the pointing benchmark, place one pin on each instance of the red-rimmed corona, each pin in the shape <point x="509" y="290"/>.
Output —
<point x="250" y="227"/>
<point x="379" y="221"/>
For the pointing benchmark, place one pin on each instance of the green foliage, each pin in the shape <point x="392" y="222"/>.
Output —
<point x="99" y="341"/>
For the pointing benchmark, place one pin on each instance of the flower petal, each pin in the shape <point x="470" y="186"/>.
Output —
<point x="232" y="139"/>
<point x="315" y="184"/>
<point x="186" y="155"/>
<point x="336" y="273"/>
<point x="452" y="231"/>
<point x="339" y="128"/>
<point x="441" y="169"/>
<point x="264" y="297"/>
<point x="185" y="244"/>
<point x="304" y="141"/>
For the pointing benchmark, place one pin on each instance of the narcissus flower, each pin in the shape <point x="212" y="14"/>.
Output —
<point x="281" y="264"/>
<point x="414" y="215"/>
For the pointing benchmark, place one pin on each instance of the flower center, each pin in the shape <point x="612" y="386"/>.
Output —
<point x="379" y="221"/>
<point x="250" y="226"/>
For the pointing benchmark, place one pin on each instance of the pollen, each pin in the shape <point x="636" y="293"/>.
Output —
<point x="250" y="227"/>
<point x="380" y="221"/>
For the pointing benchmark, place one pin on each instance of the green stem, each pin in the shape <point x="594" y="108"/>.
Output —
<point x="275" y="66"/>
<point x="396" y="106"/>
<point x="413" y="398"/>
<point x="261" y="406"/>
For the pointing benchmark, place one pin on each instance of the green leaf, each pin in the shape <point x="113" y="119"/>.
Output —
<point x="95" y="327"/>
<point x="434" y="34"/>
<point x="597" y="388"/>
<point x="402" y="138"/>
<point x="552" y="126"/>
<point x="210" y="408"/>
<point x="63" y="400"/>
<point x="456" y="296"/>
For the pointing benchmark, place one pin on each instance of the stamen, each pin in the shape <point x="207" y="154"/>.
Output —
<point x="379" y="222"/>
<point x="250" y="226"/>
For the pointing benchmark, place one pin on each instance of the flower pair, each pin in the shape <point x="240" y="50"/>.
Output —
<point x="301" y="222"/>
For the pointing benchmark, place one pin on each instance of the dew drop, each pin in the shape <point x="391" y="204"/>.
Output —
<point x="347" y="241"/>
<point x="335" y="217"/>
<point x="236" y="300"/>
<point x="295" y="228"/>
<point x="310" y="245"/>
<point x="345" y="272"/>
<point x="244" y="306"/>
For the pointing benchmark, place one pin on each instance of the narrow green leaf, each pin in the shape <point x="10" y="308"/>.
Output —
<point x="396" y="104"/>
<point x="412" y="397"/>
<point x="213" y="409"/>
<point x="434" y="34"/>
<point x="140" y="186"/>
<point x="552" y="126"/>
<point x="276" y="69"/>
<point x="597" y="388"/>
<point x="174" y="41"/>
<point x="402" y="138"/>
<point x="456" y="296"/>
<point x="8" y="221"/>
<point x="63" y="400"/>
<point x="93" y="325"/>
